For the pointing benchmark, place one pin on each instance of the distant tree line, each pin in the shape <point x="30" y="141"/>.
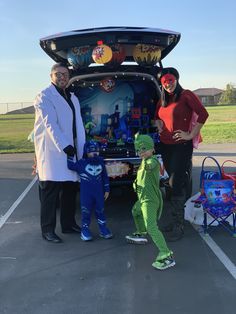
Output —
<point x="228" y="97"/>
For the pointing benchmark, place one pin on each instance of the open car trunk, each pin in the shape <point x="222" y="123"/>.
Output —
<point x="118" y="98"/>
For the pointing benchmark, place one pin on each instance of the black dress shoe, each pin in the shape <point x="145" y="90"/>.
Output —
<point x="51" y="237"/>
<point x="73" y="229"/>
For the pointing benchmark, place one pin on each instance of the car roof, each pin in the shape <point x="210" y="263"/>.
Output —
<point x="57" y="45"/>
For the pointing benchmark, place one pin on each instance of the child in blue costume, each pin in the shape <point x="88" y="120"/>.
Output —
<point x="94" y="189"/>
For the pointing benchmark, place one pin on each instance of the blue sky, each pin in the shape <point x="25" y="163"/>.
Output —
<point x="205" y="55"/>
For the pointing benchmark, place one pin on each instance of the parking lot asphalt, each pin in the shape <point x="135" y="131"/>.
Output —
<point x="107" y="276"/>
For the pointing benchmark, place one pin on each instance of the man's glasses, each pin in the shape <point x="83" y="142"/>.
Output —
<point x="60" y="74"/>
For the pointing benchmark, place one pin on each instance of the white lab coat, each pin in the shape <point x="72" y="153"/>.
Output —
<point x="53" y="132"/>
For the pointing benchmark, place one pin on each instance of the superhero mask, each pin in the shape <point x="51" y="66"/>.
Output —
<point x="168" y="79"/>
<point x="91" y="147"/>
<point x="143" y="143"/>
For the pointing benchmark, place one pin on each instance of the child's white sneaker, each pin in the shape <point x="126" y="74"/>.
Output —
<point x="164" y="264"/>
<point x="136" y="238"/>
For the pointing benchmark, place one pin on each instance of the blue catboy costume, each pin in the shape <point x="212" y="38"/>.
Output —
<point x="94" y="182"/>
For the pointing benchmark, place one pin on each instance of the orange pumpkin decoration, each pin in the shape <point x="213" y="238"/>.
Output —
<point x="118" y="55"/>
<point x="147" y="55"/>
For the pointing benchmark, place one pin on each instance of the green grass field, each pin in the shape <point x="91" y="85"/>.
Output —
<point x="221" y="125"/>
<point x="14" y="129"/>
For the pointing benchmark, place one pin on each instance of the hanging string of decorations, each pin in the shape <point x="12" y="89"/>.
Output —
<point x="81" y="57"/>
<point x="108" y="84"/>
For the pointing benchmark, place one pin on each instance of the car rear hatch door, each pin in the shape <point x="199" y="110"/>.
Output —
<point x="58" y="45"/>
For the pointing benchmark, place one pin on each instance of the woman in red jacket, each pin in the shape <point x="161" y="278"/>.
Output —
<point x="175" y="113"/>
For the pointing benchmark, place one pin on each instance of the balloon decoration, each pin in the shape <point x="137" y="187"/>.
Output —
<point x="102" y="54"/>
<point x="146" y="55"/>
<point x="79" y="57"/>
<point x="108" y="84"/>
<point x="118" y="55"/>
<point x="72" y="58"/>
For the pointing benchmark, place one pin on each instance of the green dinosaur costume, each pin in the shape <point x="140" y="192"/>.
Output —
<point x="147" y="210"/>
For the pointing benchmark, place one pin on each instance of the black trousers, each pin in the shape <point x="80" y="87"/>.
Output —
<point x="52" y="195"/>
<point x="177" y="159"/>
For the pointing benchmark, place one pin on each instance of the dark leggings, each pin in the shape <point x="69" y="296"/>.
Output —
<point x="177" y="159"/>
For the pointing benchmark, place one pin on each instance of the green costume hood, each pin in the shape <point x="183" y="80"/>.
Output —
<point x="143" y="142"/>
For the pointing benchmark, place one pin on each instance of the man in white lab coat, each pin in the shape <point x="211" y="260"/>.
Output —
<point x="58" y="133"/>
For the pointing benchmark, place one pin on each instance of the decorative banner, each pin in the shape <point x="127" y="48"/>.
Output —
<point x="146" y="55"/>
<point x="118" y="55"/>
<point x="80" y="57"/>
<point x="108" y="84"/>
<point x="117" y="169"/>
<point x="102" y="54"/>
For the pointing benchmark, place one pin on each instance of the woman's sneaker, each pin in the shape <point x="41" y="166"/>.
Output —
<point x="164" y="264"/>
<point x="136" y="238"/>
<point x="86" y="234"/>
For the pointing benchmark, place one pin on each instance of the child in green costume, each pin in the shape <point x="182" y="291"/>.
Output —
<point x="148" y="208"/>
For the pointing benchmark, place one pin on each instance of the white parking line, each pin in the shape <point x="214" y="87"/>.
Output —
<point x="4" y="218"/>
<point x="229" y="265"/>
